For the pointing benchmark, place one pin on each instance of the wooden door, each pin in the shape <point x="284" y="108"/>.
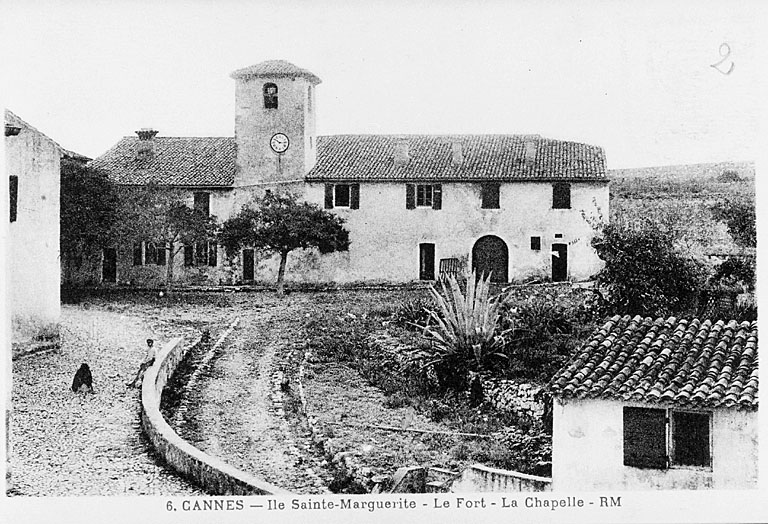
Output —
<point x="426" y="261"/>
<point x="247" y="265"/>
<point x="559" y="262"/>
<point x="491" y="256"/>
<point x="109" y="265"/>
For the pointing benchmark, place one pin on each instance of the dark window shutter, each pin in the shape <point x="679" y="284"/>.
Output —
<point x="189" y="260"/>
<point x="161" y="254"/>
<point x="561" y="196"/>
<point x="203" y="203"/>
<point x="150" y="253"/>
<point x="437" y="196"/>
<point x="13" y="190"/>
<point x="690" y="434"/>
<point x="137" y="258"/>
<point x="354" y="196"/>
<point x="645" y="438"/>
<point x="201" y="253"/>
<point x="490" y="195"/>
<point x="410" y="196"/>
<point x="213" y="254"/>
<point x="536" y="243"/>
<point x="328" y="196"/>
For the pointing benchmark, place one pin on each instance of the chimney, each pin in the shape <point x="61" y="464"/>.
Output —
<point x="457" y="153"/>
<point x="401" y="152"/>
<point x="530" y="150"/>
<point x="145" y="148"/>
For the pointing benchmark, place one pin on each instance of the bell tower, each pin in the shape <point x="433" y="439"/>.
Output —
<point x="274" y="123"/>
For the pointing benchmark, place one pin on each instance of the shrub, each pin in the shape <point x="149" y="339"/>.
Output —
<point x="644" y="273"/>
<point x="413" y="313"/>
<point x="513" y="449"/>
<point x="729" y="175"/>
<point x="462" y="333"/>
<point x="735" y="271"/>
<point x="540" y="333"/>
<point x="739" y="218"/>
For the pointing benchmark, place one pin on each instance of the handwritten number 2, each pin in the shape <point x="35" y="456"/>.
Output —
<point x="725" y="53"/>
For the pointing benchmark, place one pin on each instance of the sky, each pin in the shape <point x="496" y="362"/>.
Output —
<point x="633" y="77"/>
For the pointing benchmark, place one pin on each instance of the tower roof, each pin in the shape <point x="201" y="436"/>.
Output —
<point x="275" y="68"/>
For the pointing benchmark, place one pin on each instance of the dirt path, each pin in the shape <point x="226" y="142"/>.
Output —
<point x="231" y="412"/>
<point x="85" y="444"/>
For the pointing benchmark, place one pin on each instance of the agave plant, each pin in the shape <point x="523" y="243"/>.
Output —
<point x="464" y="326"/>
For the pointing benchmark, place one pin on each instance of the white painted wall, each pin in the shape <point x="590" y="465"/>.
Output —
<point x="587" y="451"/>
<point x="385" y="235"/>
<point x="33" y="251"/>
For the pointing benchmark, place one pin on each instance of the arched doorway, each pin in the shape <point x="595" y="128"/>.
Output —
<point x="490" y="255"/>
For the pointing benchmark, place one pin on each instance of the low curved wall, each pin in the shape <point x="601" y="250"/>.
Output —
<point x="214" y="475"/>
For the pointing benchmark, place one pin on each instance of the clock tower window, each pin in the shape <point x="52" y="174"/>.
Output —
<point x="270" y="96"/>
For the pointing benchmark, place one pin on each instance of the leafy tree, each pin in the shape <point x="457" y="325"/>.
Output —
<point x="644" y="273"/>
<point x="161" y="215"/>
<point x="739" y="217"/>
<point x="89" y="207"/>
<point x="279" y="223"/>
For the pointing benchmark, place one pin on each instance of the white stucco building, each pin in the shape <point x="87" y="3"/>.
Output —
<point x="658" y="404"/>
<point x="32" y="254"/>
<point x="415" y="205"/>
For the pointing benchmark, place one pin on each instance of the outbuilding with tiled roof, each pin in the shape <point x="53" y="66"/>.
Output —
<point x="658" y="403"/>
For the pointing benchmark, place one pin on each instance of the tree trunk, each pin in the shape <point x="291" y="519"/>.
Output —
<point x="281" y="273"/>
<point x="169" y="270"/>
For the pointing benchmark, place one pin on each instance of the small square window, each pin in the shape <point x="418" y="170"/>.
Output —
<point x="424" y="195"/>
<point x="536" y="243"/>
<point x="341" y="195"/>
<point x="558" y="235"/>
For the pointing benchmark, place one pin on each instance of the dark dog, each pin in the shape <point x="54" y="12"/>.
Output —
<point x="83" y="377"/>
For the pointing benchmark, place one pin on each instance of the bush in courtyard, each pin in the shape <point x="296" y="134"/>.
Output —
<point x="540" y="334"/>
<point x="644" y="273"/>
<point x="462" y="333"/>
<point x="414" y="313"/>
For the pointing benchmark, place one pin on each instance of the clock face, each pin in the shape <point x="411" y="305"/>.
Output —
<point x="279" y="143"/>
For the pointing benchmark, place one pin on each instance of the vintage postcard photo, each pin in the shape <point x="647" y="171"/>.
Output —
<point x="389" y="260"/>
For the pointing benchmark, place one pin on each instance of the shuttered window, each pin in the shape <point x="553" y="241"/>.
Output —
<point x="150" y="253"/>
<point x="342" y="195"/>
<point x="423" y="195"/>
<point x="138" y="259"/>
<point x="536" y="243"/>
<point x="203" y="203"/>
<point x="645" y="438"/>
<point x="561" y="196"/>
<point x="690" y="439"/>
<point x="212" y="254"/>
<point x="161" y="248"/>
<point x="490" y="195"/>
<point x="13" y="190"/>
<point x="189" y="259"/>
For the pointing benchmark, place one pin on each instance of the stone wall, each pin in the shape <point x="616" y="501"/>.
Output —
<point x="520" y="398"/>
<point x="214" y="475"/>
<point x="477" y="478"/>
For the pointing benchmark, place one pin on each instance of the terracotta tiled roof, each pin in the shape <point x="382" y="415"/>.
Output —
<point x="684" y="362"/>
<point x="210" y="161"/>
<point x="485" y="157"/>
<point x="180" y="161"/>
<point x="275" y="68"/>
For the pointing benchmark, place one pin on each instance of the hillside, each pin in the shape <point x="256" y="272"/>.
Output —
<point x="679" y="197"/>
